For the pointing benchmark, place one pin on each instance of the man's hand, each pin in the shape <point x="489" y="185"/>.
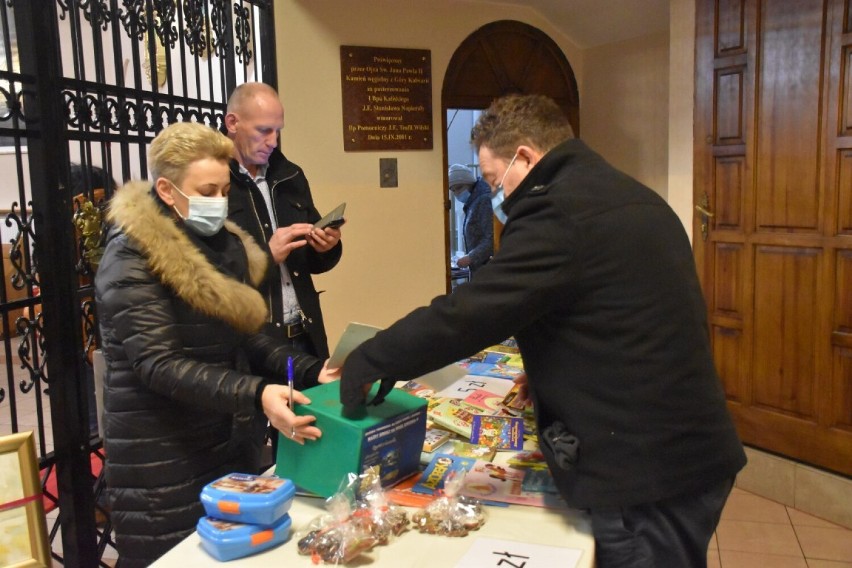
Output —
<point x="298" y="428"/>
<point x="463" y="262"/>
<point x="524" y="389"/>
<point x="285" y="239"/>
<point x="323" y="240"/>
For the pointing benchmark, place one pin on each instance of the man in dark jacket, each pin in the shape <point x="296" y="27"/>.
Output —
<point x="271" y="199"/>
<point x="596" y="280"/>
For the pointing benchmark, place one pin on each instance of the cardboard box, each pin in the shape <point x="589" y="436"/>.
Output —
<point x="390" y="436"/>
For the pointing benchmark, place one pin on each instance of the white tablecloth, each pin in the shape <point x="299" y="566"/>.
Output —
<point x="568" y="529"/>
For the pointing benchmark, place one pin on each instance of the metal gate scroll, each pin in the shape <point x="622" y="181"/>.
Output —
<point x="84" y="87"/>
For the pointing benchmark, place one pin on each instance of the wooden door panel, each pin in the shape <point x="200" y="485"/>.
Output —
<point x="730" y="36"/>
<point x="789" y="109"/>
<point x="785" y="313"/>
<point x="729" y="190"/>
<point x="730" y="105"/>
<point x="844" y="180"/>
<point x="840" y="407"/>
<point x="773" y="160"/>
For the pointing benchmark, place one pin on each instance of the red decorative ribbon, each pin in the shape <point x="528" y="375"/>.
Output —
<point x="19" y="502"/>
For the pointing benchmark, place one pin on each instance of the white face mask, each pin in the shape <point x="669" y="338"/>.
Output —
<point x="499" y="195"/>
<point x="206" y="215"/>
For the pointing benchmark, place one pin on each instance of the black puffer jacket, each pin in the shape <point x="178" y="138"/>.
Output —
<point x="178" y="316"/>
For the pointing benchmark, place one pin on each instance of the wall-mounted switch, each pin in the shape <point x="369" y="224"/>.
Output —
<point x="388" y="176"/>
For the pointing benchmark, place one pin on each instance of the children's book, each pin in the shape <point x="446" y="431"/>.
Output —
<point x="439" y="470"/>
<point x="512" y="403"/>
<point x="485" y="400"/>
<point x="499" y="432"/>
<point x="403" y="494"/>
<point x="498" y="370"/>
<point x="417" y="389"/>
<point x="491" y="482"/>
<point x="435" y="437"/>
<point x="533" y="459"/>
<point x="461" y="448"/>
<point x="454" y="415"/>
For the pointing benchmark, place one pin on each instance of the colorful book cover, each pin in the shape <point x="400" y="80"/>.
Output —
<point x="499" y="432"/>
<point x="453" y="414"/>
<point x="435" y="437"/>
<point x="532" y="459"/>
<point x="403" y="493"/>
<point x="491" y="482"/>
<point x="497" y="370"/>
<point x="462" y="448"/>
<point x="513" y="403"/>
<point x="439" y="470"/>
<point x="487" y="401"/>
<point x="418" y="389"/>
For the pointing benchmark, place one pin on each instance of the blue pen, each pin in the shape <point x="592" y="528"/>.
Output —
<point x="290" y="384"/>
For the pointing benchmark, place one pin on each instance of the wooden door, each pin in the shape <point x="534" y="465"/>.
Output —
<point x="773" y="223"/>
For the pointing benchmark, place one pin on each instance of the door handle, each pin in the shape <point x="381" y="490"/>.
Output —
<point x="703" y="211"/>
<point x="703" y="208"/>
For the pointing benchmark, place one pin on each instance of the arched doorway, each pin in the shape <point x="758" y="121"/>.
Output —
<point x="501" y="58"/>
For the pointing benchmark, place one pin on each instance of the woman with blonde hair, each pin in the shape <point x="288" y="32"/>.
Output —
<point x="189" y="384"/>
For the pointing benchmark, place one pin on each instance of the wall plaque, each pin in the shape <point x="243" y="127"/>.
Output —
<point x="387" y="98"/>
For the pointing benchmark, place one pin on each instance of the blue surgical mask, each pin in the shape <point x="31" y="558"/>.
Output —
<point x="463" y="196"/>
<point x="206" y="215"/>
<point x="496" y="205"/>
<point x="499" y="195"/>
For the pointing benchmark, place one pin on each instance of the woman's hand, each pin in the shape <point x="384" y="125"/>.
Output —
<point x="328" y="375"/>
<point x="275" y="399"/>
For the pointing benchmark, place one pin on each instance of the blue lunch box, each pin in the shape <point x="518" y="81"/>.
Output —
<point x="226" y="540"/>
<point x="250" y="499"/>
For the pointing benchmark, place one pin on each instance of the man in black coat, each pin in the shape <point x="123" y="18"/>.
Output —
<point x="271" y="199"/>
<point x="596" y="280"/>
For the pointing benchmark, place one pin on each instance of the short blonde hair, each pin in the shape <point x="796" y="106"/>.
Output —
<point x="180" y="144"/>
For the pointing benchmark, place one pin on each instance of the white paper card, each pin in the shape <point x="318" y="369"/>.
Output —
<point x="354" y="335"/>
<point x="469" y="383"/>
<point x="501" y="553"/>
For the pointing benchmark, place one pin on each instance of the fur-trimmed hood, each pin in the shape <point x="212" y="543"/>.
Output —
<point x="179" y="264"/>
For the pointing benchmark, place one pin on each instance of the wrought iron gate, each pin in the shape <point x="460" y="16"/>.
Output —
<point x="84" y="87"/>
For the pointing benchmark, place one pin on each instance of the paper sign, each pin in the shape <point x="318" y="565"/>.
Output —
<point x="501" y="553"/>
<point x="463" y="387"/>
<point x="354" y="335"/>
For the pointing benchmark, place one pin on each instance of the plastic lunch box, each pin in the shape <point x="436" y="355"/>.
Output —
<point x="226" y="540"/>
<point x="248" y="499"/>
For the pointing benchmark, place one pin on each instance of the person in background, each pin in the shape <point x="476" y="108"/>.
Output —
<point x="179" y="319"/>
<point x="271" y="199"/>
<point x="596" y="281"/>
<point x="478" y="226"/>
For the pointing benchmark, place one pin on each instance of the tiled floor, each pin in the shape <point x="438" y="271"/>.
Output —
<point x="756" y="532"/>
<point x="753" y="532"/>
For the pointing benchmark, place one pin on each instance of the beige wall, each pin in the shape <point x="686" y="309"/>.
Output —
<point x="624" y="106"/>
<point x="635" y="109"/>
<point x="393" y="258"/>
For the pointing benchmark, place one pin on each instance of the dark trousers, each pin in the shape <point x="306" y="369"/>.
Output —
<point x="673" y="533"/>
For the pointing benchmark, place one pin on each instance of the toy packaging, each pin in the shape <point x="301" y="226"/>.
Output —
<point x="248" y="499"/>
<point x="226" y="540"/>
